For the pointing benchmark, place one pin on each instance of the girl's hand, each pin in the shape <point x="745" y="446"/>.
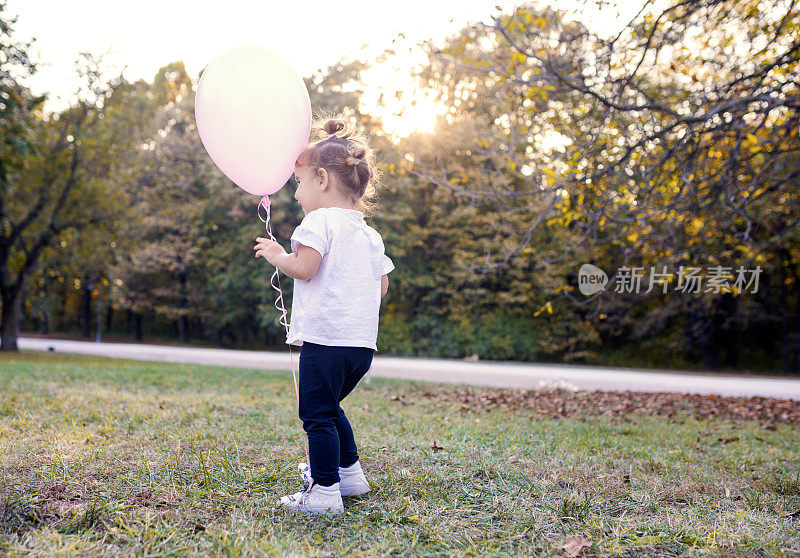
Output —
<point x="268" y="248"/>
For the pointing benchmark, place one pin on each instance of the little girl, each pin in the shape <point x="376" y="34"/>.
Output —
<point x="339" y="266"/>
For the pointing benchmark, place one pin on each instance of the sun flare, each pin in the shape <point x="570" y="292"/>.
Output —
<point x="397" y="98"/>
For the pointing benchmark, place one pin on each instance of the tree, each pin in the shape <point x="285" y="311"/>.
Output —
<point x="159" y="272"/>
<point x="678" y="136"/>
<point x="17" y="106"/>
<point x="48" y="182"/>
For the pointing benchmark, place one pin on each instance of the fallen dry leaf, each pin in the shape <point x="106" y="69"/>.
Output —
<point x="575" y="544"/>
<point x="401" y="398"/>
<point x="62" y="492"/>
<point x="558" y="403"/>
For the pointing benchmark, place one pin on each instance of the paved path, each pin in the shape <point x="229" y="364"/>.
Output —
<point x="486" y="373"/>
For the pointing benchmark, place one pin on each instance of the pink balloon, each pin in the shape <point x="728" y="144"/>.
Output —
<point x="253" y="115"/>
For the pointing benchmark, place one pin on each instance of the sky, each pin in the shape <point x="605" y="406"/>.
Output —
<point x="145" y="35"/>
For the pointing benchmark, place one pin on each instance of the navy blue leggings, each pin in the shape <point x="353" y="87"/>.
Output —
<point x="327" y="375"/>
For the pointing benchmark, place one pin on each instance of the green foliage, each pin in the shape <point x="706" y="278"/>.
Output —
<point x="491" y="336"/>
<point x="396" y="335"/>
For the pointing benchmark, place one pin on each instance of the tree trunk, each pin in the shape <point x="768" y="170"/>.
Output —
<point x="790" y="337"/>
<point x="43" y="324"/>
<point x="61" y="318"/>
<point x="786" y="349"/>
<point x="731" y="341"/>
<point x="9" y="320"/>
<point x="109" y="317"/>
<point x="43" y="329"/>
<point x="85" y="317"/>
<point x="701" y="333"/>
<point x="710" y="342"/>
<point x="137" y="327"/>
<point x="182" y="329"/>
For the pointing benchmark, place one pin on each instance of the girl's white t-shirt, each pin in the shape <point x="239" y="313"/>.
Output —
<point x="339" y="305"/>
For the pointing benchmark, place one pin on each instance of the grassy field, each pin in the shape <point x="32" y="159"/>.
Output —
<point x="102" y="456"/>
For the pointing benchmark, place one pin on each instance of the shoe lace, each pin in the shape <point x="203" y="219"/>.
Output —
<point x="305" y="475"/>
<point x="308" y="480"/>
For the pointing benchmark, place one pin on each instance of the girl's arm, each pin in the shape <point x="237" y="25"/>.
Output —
<point x="301" y="265"/>
<point x="384" y="285"/>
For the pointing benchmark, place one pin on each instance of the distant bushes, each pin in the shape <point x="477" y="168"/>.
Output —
<point x="492" y="336"/>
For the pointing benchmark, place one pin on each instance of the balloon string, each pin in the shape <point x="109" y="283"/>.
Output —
<point x="279" y="305"/>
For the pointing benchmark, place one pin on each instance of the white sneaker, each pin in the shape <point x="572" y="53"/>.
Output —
<point x="314" y="498"/>
<point x="352" y="481"/>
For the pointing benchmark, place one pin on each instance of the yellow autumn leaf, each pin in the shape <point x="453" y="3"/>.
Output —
<point x="694" y="225"/>
<point x="540" y="310"/>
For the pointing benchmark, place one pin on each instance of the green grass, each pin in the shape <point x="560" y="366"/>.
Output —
<point x="104" y="456"/>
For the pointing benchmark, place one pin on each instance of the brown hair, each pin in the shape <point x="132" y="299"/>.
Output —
<point x="348" y="156"/>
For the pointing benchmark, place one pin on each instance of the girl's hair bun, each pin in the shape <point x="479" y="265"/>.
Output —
<point x="343" y="150"/>
<point x="332" y="126"/>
